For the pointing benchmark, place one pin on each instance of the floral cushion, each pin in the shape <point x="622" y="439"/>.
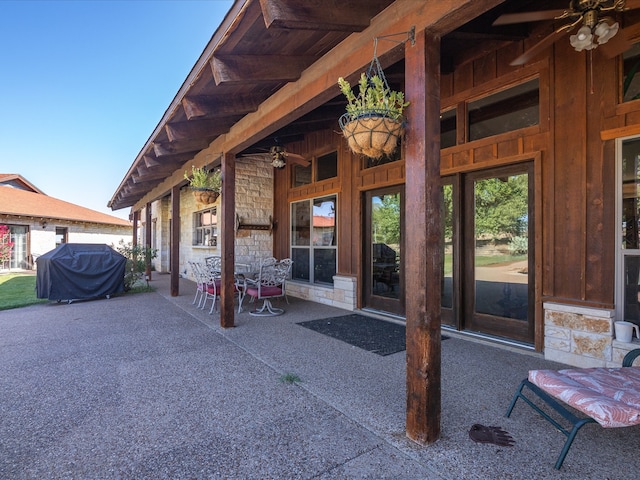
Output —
<point x="611" y="396"/>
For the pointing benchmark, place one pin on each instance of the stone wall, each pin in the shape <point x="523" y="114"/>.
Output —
<point x="342" y="295"/>
<point x="254" y="203"/>
<point x="578" y="336"/>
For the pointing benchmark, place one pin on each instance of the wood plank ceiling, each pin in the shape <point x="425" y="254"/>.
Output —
<point x="261" y="46"/>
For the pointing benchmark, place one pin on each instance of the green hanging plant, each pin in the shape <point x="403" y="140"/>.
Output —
<point x="374" y="98"/>
<point x="202" y="179"/>
<point x="373" y="122"/>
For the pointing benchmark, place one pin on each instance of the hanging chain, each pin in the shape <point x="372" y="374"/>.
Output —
<point x="375" y="69"/>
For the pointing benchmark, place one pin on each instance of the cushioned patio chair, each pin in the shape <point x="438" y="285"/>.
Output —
<point x="269" y="284"/>
<point x="608" y="396"/>
<point x="214" y="281"/>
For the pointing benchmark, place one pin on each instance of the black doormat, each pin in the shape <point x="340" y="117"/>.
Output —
<point x="371" y="334"/>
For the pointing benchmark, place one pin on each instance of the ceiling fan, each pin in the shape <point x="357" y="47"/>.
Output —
<point x="594" y="16"/>
<point x="279" y="157"/>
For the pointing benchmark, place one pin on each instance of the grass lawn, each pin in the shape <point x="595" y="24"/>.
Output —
<point x="18" y="290"/>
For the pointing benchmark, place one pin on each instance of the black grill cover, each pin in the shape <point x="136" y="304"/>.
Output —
<point x="76" y="271"/>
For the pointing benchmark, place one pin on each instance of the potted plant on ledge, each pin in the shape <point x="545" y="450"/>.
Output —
<point x="373" y="122"/>
<point x="206" y="185"/>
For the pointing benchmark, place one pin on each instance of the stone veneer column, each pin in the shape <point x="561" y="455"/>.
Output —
<point x="578" y="336"/>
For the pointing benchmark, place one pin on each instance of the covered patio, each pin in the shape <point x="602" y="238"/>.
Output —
<point x="148" y="386"/>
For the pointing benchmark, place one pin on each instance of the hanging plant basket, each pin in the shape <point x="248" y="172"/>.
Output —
<point x="205" y="184"/>
<point x="205" y="196"/>
<point x="373" y="123"/>
<point x="372" y="135"/>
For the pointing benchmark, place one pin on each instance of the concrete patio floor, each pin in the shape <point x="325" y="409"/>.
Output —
<point x="148" y="386"/>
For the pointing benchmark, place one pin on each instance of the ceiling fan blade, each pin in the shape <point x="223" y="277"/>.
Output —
<point x="622" y="42"/>
<point x="523" y="17"/>
<point x="297" y="159"/>
<point x="631" y="4"/>
<point x="543" y="44"/>
<point x="256" y="155"/>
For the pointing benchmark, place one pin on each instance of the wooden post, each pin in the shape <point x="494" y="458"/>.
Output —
<point x="136" y="218"/>
<point x="175" y="241"/>
<point x="423" y="237"/>
<point x="147" y="237"/>
<point x="228" y="235"/>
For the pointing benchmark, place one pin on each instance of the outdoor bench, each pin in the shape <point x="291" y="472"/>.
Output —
<point x="608" y="396"/>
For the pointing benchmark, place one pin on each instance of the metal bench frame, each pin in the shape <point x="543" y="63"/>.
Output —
<point x="576" y="422"/>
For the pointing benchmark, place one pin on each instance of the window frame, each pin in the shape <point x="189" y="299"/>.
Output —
<point x="62" y="235"/>
<point x="313" y="165"/>
<point x="461" y="107"/>
<point x="620" y="252"/>
<point x="199" y="231"/>
<point x="310" y="246"/>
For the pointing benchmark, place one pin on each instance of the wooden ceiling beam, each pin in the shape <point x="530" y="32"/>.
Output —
<point x="329" y="15"/>
<point x="166" y="149"/>
<point x="240" y="69"/>
<point x="150" y="161"/>
<point x="216" y="106"/>
<point x="131" y="189"/>
<point x="196" y="129"/>
<point x="144" y="173"/>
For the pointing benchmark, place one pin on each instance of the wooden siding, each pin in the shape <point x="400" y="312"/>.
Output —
<point x="572" y="147"/>
<point x="578" y="101"/>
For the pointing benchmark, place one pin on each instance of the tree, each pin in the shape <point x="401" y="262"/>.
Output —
<point x="6" y="245"/>
<point x="501" y="206"/>
<point x="386" y="218"/>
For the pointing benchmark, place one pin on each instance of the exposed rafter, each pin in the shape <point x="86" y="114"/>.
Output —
<point x="196" y="129"/>
<point x="151" y="161"/>
<point x="146" y="174"/>
<point x="237" y="69"/>
<point x="216" y="106"/>
<point x="330" y="15"/>
<point x="165" y="149"/>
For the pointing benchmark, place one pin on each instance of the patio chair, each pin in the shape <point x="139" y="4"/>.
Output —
<point x="608" y="396"/>
<point x="198" y="274"/>
<point x="269" y="284"/>
<point x="214" y="281"/>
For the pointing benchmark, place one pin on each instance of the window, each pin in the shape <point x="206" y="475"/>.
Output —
<point x="19" y="253"/>
<point x="314" y="240"/>
<point x="327" y="166"/>
<point x="302" y="175"/>
<point x="511" y="109"/>
<point x="628" y="214"/>
<point x="448" y="132"/>
<point x="630" y="68"/>
<point x="394" y="157"/>
<point x="62" y="234"/>
<point x="322" y="167"/>
<point x="206" y="228"/>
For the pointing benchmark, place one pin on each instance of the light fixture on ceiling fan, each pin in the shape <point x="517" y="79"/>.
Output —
<point x="278" y="154"/>
<point x="597" y="28"/>
<point x="279" y="157"/>
<point x="593" y="29"/>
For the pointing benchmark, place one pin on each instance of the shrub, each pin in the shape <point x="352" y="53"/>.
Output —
<point x="137" y="257"/>
<point x="6" y="245"/>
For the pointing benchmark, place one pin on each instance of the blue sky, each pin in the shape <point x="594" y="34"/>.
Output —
<point x="83" y="83"/>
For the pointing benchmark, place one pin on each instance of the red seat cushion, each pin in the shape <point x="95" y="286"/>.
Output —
<point x="266" y="291"/>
